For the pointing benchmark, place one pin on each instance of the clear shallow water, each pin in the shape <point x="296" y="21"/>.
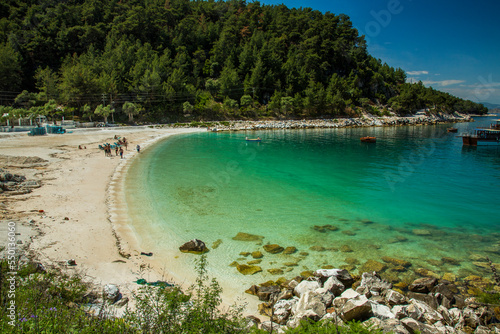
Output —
<point x="211" y="186"/>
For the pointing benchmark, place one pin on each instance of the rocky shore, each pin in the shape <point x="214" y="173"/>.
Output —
<point x="365" y="121"/>
<point x="426" y="305"/>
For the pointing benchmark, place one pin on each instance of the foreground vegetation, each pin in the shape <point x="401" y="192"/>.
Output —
<point x="56" y="303"/>
<point x="178" y="60"/>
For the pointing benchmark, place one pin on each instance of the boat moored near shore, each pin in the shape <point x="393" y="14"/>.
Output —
<point x="483" y="136"/>
<point x="368" y="139"/>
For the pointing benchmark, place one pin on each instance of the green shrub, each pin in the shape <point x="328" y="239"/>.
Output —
<point x="170" y="310"/>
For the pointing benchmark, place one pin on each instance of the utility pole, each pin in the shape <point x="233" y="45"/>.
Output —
<point x="111" y="104"/>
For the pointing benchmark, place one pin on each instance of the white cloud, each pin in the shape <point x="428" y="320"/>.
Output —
<point x="443" y="83"/>
<point x="417" y="72"/>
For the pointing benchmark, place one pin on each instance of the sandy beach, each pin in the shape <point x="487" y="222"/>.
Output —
<point x="77" y="198"/>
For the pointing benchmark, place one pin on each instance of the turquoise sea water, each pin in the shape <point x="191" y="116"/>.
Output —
<point x="416" y="194"/>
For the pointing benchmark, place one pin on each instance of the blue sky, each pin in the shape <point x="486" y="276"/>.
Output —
<point x="453" y="46"/>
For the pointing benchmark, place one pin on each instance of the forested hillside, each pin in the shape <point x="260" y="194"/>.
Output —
<point x="172" y="60"/>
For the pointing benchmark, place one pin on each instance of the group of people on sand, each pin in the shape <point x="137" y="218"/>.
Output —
<point x="118" y="150"/>
<point x="118" y="147"/>
<point x="122" y="141"/>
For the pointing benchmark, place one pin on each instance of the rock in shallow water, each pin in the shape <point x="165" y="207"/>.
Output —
<point x="248" y="270"/>
<point x="194" y="246"/>
<point x="241" y="236"/>
<point x="273" y="248"/>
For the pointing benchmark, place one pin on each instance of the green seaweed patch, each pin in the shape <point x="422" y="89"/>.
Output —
<point x="450" y="260"/>
<point x="325" y="228"/>
<point x="242" y="236"/>
<point x="317" y="248"/>
<point x="216" y="243"/>
<point x="421" y="232"/>
<point x="351" y="260"/>
<point x="346" y="249"/>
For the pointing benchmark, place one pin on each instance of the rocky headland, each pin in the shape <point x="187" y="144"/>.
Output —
<point x="366" y="120"/>
<point x="426" y="305"/>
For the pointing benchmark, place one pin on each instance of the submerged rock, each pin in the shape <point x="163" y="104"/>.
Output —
<point x="248" y="269"/>
<point x="194" y="246"/>
<point x="275" y="271"/>
<point x="421" y="232"/>
<point x="242" y="236"/>
<point x="423" y="285"/>
<point x="273" y="248"/>
<point x="396" y="262"/>
<point x="450" y="260"/>
<point x="289" y="250"/>
<point x="216" y="243"/>
<point x="325" y="228"/>
<point x="291" y="264"/>
<point x="346" y="249"/>
<point x="257" y="255"/>
<point x="372" y="265"/>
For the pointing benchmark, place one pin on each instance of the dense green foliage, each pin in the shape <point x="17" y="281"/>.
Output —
<point x="198" y="60"/>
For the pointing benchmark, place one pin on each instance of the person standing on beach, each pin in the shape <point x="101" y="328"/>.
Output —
<point x="121" y="153"/>
<point x="116" y="150"/>
<point x="138" y="149"/>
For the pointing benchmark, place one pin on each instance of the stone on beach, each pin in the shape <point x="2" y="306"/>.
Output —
<point x="194" y="246"/>
<point x="111" y="292"/>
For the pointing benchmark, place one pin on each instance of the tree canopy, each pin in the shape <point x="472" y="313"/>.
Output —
<point x="226" y="59"/>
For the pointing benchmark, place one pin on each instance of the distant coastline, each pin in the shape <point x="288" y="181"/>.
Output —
<point x="365" y="121"/>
